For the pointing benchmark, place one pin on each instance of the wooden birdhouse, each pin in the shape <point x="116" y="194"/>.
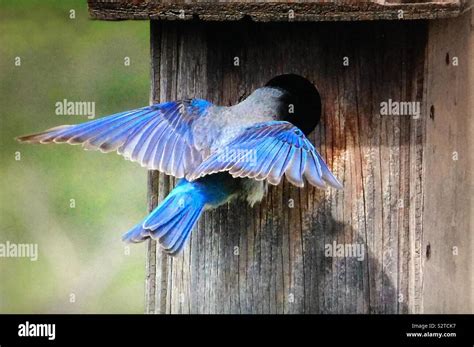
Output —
<point x="396" y="80"/>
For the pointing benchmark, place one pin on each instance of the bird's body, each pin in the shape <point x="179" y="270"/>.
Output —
<point x="223" y="123"/>
<point x="219" y="153"/>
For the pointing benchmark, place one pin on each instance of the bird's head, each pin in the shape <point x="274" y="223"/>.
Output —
<point x="301" y="102"/>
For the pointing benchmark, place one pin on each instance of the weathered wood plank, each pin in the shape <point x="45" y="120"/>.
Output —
<point x="448" y="216"/>
<point x="300" y="10"/>
<point x="159" y="185"/>
<point x="281" y="265"/>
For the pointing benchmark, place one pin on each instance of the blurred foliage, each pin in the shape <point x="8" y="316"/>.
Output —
<point x="81" y="255"/>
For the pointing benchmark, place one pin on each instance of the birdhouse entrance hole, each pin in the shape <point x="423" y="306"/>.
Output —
<point x="303" y="107"/>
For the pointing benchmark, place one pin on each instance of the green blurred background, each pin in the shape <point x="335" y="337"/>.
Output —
<point x="83" y="265"/>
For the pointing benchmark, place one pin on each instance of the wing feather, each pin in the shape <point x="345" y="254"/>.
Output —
<point x="281" y="150"/>
<point x="158" y="136"/>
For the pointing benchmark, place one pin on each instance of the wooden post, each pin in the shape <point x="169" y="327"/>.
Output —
<point x="404" y="200"/>
<point x="448" y="214"/>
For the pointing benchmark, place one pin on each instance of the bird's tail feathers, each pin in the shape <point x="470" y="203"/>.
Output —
<point x="172" y="221"/>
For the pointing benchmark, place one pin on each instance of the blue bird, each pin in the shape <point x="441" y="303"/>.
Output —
<point x="219" y="153"/>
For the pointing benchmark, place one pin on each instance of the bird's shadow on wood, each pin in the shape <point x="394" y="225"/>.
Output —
<point x="351" y="271"/>
<point x="323" y="280"/>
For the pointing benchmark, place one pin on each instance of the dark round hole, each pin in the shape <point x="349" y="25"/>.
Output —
<point x="302" y="102"/>
<point x="447" y="59"/>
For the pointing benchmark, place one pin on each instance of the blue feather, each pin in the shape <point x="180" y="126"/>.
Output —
<point x="148" y="136"/>
<point x="179" y="244"/>
<point x="83" y="132"/>
<point x="138" y="133"/>
<point x="271" y="150"/>
<point x="158" y="136"/>
<point x="172" y="221"/>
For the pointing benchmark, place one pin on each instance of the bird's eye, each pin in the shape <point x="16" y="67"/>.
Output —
<point x="298" y="132"/>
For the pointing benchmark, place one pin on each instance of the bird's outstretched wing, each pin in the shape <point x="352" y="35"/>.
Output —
<point x="158" y="137"/>
<point x="267" y="151"/>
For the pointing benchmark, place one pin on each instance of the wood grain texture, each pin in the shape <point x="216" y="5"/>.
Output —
<point x="271" y="258"/>
<point x="262" y="10"/>
<point x="448" y="216"/>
